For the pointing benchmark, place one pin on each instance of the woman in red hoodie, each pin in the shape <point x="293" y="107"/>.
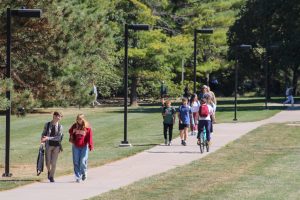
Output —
<point x="81" y="136"/>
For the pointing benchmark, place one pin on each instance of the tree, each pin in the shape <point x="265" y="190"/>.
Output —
<point x="264" y="24"/>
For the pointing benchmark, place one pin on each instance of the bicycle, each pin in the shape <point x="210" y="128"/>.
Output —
<point x="202" y="142"/>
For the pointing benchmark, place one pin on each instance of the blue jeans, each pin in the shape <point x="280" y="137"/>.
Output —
<point x="80" y="158"/>
<point x="207" y="125"/>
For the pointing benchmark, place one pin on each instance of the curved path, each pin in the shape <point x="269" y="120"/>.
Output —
<point x="150" y="162"/>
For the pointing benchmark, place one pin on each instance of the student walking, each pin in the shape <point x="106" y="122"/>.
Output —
<point x="52" y="136"/>
<point x="195" y="105"/>
<point x="169" y="115"/>
<point x="184" y="116"/>
<point x="81" y="137"/>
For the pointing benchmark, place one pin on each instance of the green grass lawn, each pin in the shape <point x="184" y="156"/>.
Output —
<point x="264" y="165"/>
<point x="144" y="132"/>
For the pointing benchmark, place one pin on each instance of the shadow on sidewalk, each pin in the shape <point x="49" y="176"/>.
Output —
<point x="176" y="152"/>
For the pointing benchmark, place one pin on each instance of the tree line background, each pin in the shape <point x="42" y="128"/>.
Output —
<point x="56" y="59"/>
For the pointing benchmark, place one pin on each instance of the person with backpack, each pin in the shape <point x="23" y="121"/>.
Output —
<point x="81" y="137"/>
<point x="184" y="116"/>
<point x="205" y="112"/>
<point x="52" y="136"/>
<point x="195" y="105"/>
<point x="169" y="115"/>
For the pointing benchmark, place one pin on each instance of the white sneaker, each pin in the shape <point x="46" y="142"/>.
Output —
<point x="166" y="142"/>
<point x="170" y="143"/>
<point x="78" y="180"/>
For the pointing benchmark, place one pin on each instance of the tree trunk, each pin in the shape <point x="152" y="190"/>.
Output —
<point x="133" y="92"/>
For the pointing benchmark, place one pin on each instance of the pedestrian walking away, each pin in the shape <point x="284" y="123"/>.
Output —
<point x="169" y="115"/>
<point x="81" y="137"/>
<point x="52" y="136"/>
<point x="184" y="116"/>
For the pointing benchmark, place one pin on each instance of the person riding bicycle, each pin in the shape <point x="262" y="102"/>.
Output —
<point x="205" y="112"/>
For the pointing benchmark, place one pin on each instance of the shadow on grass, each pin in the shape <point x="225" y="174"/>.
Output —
<point x="175" y="152"/>
<point x="19" y="180"/>
<point x="220" y="108"/>
<point x="139" y="110"/>
<point x="249" y="108"/>
<point x="144" y="145"/>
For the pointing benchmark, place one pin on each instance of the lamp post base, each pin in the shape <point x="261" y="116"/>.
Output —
<point x="125" y="144"/>
<point x="7" y="175"/>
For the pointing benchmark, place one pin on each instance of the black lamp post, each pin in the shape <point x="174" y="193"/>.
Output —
<point x="244" y="47"/>
<point x="266" y="63"/>
<point x="9" y="13"/>
<point x="196" y="31"/>
<point x="136" y="27"/>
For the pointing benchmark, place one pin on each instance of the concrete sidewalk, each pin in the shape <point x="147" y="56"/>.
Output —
<point x="150" y="162"/>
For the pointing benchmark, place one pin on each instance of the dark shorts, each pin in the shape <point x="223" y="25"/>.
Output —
<point x="182" y="126"/>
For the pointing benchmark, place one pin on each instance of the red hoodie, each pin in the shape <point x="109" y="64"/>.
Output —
<point x="82" y="137"/>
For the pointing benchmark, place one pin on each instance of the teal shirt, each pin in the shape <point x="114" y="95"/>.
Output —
<point x="170" y="112"/>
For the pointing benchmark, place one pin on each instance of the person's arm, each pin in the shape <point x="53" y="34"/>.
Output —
<point x="90" y="139"/>
<point x="174" y="116"/>
<point x="44" y="133"/>
<point x="179" y="117"/>
<point x="72" y="133"/>
<point x="163" y="112"/>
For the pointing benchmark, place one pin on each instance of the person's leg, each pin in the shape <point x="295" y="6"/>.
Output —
<point x="170" y="132"/>
<point x="48" y="159"/>
<point x="207" y="127"/>
<point x="165" y="132"/>
<point x="196" y="116"/>
<point x="192" y="123"/>
<point x="76" y="162"/>
<point x="54" y="156"/>
<point x="200" y="127"/>
<point x="292" y="100"/>
<point x="287" y="100"/>
<point x="84" y="162"/>
<point x="186" y="131"/>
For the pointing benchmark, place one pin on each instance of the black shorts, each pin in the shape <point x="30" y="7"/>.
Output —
<point x="182" y="126"/>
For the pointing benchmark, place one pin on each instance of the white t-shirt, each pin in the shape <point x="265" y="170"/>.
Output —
<point x="195" y="106"/>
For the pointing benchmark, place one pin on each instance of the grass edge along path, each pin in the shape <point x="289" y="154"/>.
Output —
<point x="264" y="164"/>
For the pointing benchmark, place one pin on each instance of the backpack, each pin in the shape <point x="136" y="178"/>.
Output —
<point x="203" y="111"/>
<point x="59" y="127"/>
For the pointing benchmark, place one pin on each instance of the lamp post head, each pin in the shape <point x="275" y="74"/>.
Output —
<point x="37" y="13"/>
<point x="245" y="46"/>
<point x="139" y="27"/>
<point x="205" y="30"/>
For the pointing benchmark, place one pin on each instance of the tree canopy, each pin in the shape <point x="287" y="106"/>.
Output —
<point x="56" y="59"/>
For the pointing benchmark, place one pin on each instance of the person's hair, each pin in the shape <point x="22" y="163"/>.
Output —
<point x="84" y="124"/>
<point x="56" y="113"/>
<point x="193" y="97"/>
<point x="168" y="102"/>
<point x="204" y="100"/>
<point x="184" y="99"/>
